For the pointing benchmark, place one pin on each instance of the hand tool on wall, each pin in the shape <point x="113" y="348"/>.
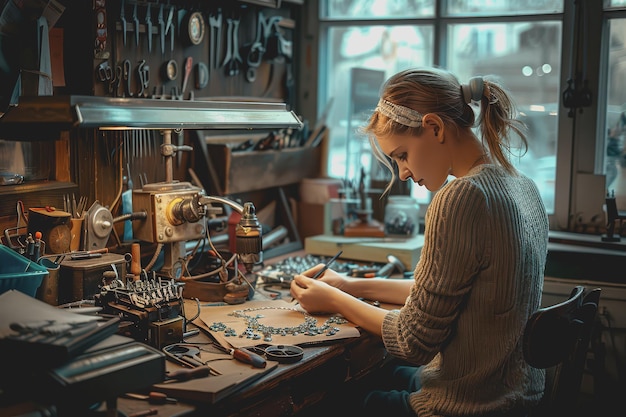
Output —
<point x="161" y="28"/>
<point x="215" y="22"/>
<point x="188" y="67"/>
<point x="149" y="27"/>
<point x="106" y="76"/>
<point x="169" y="27"/>
<point x="136" y="24"/>
<point x="123" y="21"/>
<point x="143" y="71"/>
<point x="233" y="60"/>
<point x="254" y="52"/>
<point x="117" y="80"/>
<point x="126" y="76"/>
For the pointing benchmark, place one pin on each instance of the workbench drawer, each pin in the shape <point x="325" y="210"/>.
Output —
<point x="245" y="171"/>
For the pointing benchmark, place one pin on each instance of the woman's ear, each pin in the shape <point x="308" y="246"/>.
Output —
<point x="434" y="124"/>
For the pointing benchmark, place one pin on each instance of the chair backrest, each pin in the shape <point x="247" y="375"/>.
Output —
<point x="557" y="338"/>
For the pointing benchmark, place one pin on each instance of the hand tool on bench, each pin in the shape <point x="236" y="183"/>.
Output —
<point x="189" y="356"/>
<point x="243" y="355"/>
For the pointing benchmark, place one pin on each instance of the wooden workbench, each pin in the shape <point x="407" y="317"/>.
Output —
<point x="288" y="389"/>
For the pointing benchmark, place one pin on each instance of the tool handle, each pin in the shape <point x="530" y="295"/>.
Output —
<point x="135" y="263"/>
<point x="386" y="270"/>
<point x="187" y="374"/>
<point x="155" y="397"/>
<point x="328" y="264"/>
<point x="245" y="356"/>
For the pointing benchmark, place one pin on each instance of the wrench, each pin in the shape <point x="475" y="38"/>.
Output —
<point x="215" y="21"/>
<point x="233" y="60"/>
<point x="256" y="49"/>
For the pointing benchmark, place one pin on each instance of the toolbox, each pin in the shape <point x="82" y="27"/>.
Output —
<point x="80" y="279"/>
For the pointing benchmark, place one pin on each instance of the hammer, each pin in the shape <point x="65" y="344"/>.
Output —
<point x="389" y="268"/>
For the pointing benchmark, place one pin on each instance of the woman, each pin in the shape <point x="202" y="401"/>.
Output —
<point x="480" y="273"/>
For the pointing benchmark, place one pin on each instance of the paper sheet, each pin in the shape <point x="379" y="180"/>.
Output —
<point x="17" y="307"/>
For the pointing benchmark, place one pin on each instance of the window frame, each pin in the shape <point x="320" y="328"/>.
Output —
<point x="580" y="141"/>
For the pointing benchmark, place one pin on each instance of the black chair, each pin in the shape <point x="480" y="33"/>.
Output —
<point x="556" y="338"/>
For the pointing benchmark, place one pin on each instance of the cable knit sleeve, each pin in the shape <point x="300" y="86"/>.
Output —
<point x="453" y="253"/>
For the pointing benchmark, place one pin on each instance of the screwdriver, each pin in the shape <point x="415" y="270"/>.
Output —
<point x="244" y="355"/>
<point x="187" y="374"/>
<point x="153" y="397"/>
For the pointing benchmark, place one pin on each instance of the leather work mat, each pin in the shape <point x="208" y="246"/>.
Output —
<point x="276" y="313"/>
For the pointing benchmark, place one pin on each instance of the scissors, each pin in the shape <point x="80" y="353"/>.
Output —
<point x="106" y="75"/>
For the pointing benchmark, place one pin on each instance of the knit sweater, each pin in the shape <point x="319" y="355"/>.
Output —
<point x="479" y="278"/>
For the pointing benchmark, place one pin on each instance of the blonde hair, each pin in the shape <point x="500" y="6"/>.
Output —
<point x="434" y="90"/>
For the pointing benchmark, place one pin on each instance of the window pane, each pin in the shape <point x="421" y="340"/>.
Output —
<point x="616" y="104"/>
<point x="525" y="57"/>
<point x="614" y="3"/>
<point x="378" y="9"/>
<point x="385" y="48"/>
<point x="501" y="7"/>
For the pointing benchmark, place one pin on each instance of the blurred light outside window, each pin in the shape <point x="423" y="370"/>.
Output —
<point x="386" y="48"/>
<point x="520" y="42"/>
<point x="615" y="155"/>
<point x="525" y="57"/>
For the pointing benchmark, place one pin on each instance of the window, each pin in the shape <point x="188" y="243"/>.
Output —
<point x="518" y="41"/>
<point x="615" y="119"/>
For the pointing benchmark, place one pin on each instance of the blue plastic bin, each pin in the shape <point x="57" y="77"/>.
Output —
<point x="19" y="273"/>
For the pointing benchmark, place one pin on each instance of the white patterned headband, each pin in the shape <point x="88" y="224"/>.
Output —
<point x="399" y="114"/>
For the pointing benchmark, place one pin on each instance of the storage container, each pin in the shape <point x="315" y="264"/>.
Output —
<point x="19" y="273"/>
<point x="246" y="171"/>
<point x="402" y="216"/>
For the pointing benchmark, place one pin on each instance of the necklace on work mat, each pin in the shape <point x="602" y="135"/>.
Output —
<point x="255" y="328"/>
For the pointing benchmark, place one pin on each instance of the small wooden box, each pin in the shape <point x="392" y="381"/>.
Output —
<point x="81" y="279"/>
<point x="245" y="171"/>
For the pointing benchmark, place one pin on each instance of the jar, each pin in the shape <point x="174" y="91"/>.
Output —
<point x="401" y="216"/>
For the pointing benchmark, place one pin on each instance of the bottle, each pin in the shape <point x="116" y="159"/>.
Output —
<point x="401" y="216"/>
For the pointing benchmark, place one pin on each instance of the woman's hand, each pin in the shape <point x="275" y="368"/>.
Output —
<point x="317" y="295"/>
<point x="320" y="296"/>
<point x="332" y="278"/>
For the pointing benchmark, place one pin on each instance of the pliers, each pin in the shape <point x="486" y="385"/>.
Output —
<point x="189" y="356"/>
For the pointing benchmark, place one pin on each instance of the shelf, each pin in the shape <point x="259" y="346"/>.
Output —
<point x="246" y="171"/>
